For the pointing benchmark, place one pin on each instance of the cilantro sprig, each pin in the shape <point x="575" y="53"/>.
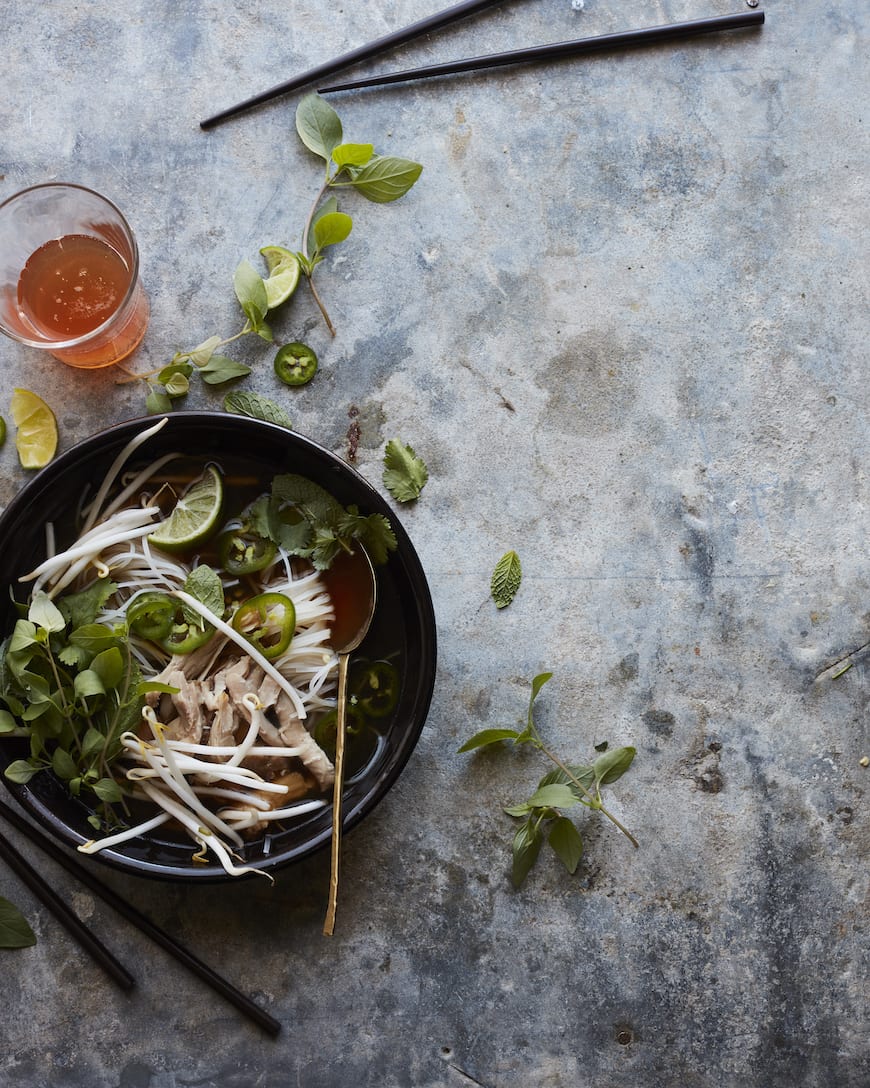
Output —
<point x="567" y="786"/>
<point x="305" y="520"/>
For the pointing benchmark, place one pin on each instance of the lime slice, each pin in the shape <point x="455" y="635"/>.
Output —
<point x="36" y="437"/>
<point x="195" y="517"/>
<point x="283" y="274"/>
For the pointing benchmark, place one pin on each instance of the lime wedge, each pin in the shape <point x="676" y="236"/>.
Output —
<point x="36" y="437"/>
<point x="195" y="517"/>
<point x="283" y="274"/>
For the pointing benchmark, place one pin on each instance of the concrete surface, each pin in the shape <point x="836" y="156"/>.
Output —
<point x="623" y="318"/>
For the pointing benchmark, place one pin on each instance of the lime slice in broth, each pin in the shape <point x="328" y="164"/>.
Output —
<point x="36" y="437"/>
<point x="195" y="517"/>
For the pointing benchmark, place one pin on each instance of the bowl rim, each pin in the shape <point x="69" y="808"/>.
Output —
<point x="114" y="437"/>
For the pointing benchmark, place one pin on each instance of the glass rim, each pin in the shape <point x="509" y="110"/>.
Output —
<point x="133" y="287"/>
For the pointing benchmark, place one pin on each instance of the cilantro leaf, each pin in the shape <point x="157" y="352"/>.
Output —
<point x="405" y="474"/>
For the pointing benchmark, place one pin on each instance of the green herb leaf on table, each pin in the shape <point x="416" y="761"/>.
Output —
<point x="318" y="125"/>
<point x="331" y="229"/>
<point x="15" y="931"/>
<point x="564" y="787"/>
<point x="352" y="154"/>
<point x="505" y="580"/>
<point x="256" y="407"/>
<point x="385" y="178"/>
<point x="221" y="368"/>
<point x="405" y="474"/>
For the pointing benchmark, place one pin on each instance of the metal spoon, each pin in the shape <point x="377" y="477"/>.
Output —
<point x="352" y="586"/>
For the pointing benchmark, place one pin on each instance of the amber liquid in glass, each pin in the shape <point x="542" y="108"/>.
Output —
<point x="71" y="285"/>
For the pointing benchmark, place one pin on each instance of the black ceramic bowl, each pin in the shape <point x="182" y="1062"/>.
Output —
<point x="403" y="629"/>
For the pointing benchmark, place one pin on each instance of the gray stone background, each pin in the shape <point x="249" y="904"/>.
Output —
<point x="622" y="317"/>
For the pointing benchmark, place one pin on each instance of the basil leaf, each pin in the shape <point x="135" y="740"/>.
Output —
<point x="94" y="638"/>
<point x="553" y="796"/>
<point x="612" y="765"/>
<point x="15" y="931"/>
<point x="257" y="407"/>
<point x="318" y="125"/>
<point x="385" y="178"/>
<point x="107" y="790"/>
<point x="201" y="354"/>
<point x="44" y="613"/>
<point x="109" y="666"/>
<point x="332" y="228"/>
<point x="566" y="841"/>
<point x="486" y="737"/>
<point x="352" y="154"/>
<point x="251" y="293"/>
<point x="405" y="474"/>
<point x="221" y="368"/>
<point x="20" y="771"/>
<point x="506" y="579"/>
<point x="87" y="683"/>
<point x="157" y="403"/>
<point x="7" y="723"/>
<point x="526" y="847"/>
<point x="63" y="764"/>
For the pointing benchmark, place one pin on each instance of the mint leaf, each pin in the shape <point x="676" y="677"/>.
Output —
<point x="405" y="474"/>
<point x="15" y="932"/>
<point x="318" y="125"/>
<point x="204" y="585"/>
<point x="385" y="178"/>
<point x="506" y="579"/>
<point x="256" y="407"/>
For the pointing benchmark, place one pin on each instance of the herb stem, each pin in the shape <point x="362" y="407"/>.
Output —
<point x="596" y="801"/>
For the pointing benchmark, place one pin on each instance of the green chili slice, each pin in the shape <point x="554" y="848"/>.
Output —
<point x="150" y="615"/>
<point x="268" y="622"/>
<point x="242" y="551"/>
<point x="375" y="688"/>
<point x="295" y="364"/>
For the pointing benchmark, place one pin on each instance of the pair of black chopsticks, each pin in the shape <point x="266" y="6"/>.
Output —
<point x="101" y="955"/>
<point x="607" y="42"/>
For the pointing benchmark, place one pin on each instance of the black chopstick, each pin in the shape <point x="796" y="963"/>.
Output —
<point x="380" y="45"/>
<point x="65" y="915"/>
<point x="235" y="997"/>
<point x="627" y="39"/>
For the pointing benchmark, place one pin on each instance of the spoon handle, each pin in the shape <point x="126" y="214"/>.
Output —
<point x="340" y="722"/>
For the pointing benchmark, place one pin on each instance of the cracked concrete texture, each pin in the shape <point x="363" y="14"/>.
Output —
<point x="622" y="316"/>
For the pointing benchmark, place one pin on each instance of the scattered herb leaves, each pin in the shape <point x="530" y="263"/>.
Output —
<point x="380" y="179"/>
<point x="565" y="787"/>
<point x="405" y="474"/>
<point x="506" y="579"/>
<point x="15" y="931"/>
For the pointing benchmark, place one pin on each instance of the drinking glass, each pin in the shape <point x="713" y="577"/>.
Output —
<point x="69" y="275"/>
